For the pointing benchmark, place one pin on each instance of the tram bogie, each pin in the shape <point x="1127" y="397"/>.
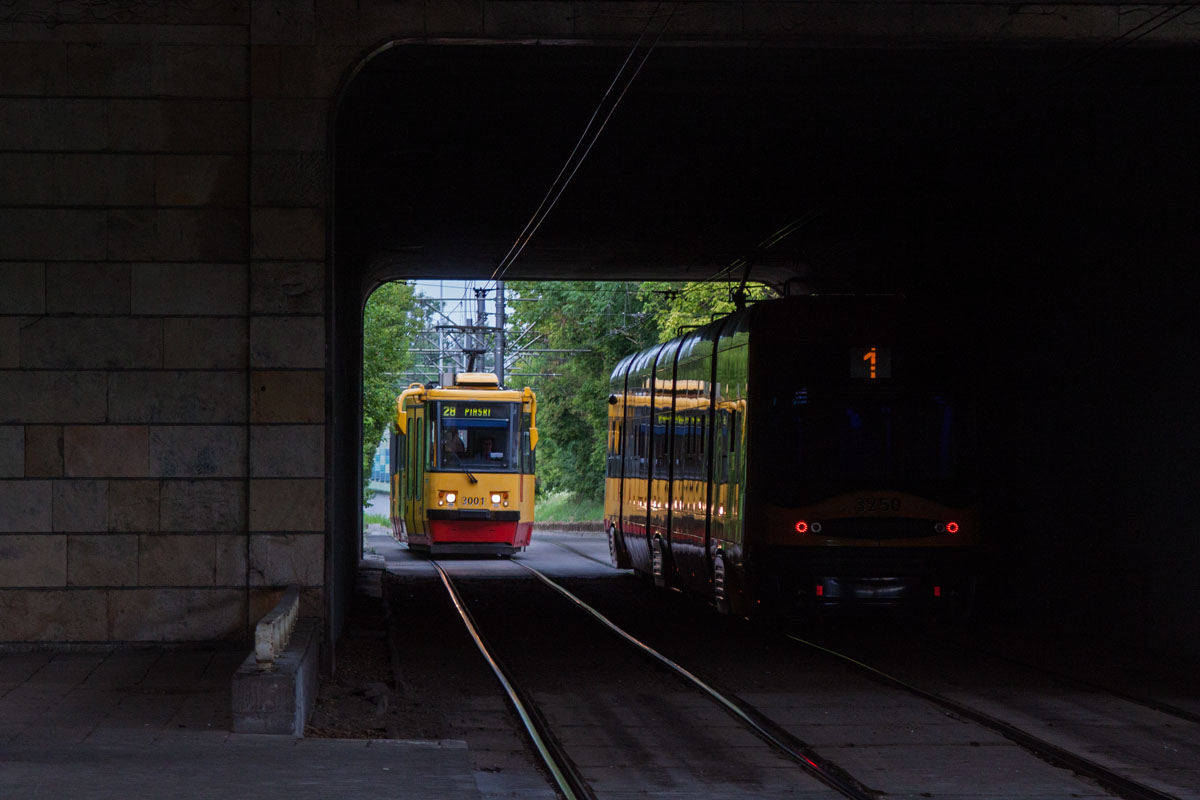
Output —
<point x="463" y="467"/>
<point x="806" y="453"/>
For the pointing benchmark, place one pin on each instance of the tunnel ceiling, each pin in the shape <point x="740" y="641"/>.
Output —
<point x="897" y="168"/>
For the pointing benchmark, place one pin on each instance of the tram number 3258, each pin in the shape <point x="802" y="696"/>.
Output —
<point x="876" y="505"/>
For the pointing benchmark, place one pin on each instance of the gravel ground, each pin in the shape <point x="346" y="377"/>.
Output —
<point x="365" y="699"/>
<point x="413" y="681"/>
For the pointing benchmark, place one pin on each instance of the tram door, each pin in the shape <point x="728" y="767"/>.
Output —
<point x="414" y="472"/>
<point x="396" y="482"/>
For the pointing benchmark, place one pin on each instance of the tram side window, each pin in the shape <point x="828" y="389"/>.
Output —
<point x="638" y="467"/>
<point x="722" y="446"/>
<point x="413" y="438"/>
<point x="735" y="447"/>
<point x="420" y="459"/>
<point x="685" y="444"/>
<point x="394" y="450"/>
<point x="644" y="442"/>
<point x="697" y="458"/>
<point x="528" y="455"/>
<point x="430" y="447"/>
<point x="629" y="453"/>
<point x="696" y="468"/>
<point x="613" y="462"/>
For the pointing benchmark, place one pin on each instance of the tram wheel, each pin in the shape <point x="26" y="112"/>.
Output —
<point x="616" y="553"/>
<point x="719" y="588"/>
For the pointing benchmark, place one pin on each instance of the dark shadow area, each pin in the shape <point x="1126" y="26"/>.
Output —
<point x="1044" y="197"/>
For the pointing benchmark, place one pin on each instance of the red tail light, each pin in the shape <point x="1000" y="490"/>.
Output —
<point x="937" y="591"/>
<point x="952" y="527"/>
<point x="801" y="527"/>
<point x="820" y="590"/>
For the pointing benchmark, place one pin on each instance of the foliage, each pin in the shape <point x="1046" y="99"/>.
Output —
<point x="676" y="307"/>
<point x="600" y="323"/>
<point x="597" y="324"/>
<point x="567" y="507"/>
<point x="390" y="321"/>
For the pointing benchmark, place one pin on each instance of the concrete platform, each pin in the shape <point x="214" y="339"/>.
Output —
<point x="123" y="723"/>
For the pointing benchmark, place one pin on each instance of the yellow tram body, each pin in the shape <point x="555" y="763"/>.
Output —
<point x="462" y="470"/>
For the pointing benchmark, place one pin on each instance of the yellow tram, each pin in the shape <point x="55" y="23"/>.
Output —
<point x="462" y="466"/>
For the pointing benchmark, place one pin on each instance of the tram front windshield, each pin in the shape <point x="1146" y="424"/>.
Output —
<point x="477" y="437"/>
<point x="904" y="441"/>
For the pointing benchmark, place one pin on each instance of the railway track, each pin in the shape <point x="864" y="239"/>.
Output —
<point x="637" y="627"/>
<point x="1111" y="780"/>
<point x="1151" y="780"/>
<point x="568" y="762"/>
<point x="1154" y="704"/>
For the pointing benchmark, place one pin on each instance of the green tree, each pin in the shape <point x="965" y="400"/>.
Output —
<point x="598" y="323"/>
<point x="593" y="326"/>
<point x="676" y="307"/>
<point x="391" y="319"/>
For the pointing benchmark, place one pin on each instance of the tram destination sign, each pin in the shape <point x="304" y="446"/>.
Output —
<point x="870" y="362"/>
<point x="475" y="411"/>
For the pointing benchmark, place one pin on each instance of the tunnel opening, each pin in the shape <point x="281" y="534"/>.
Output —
<point x="1041" y="195"/>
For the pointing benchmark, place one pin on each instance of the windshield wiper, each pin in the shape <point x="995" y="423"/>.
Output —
<point x="464" y="466"/>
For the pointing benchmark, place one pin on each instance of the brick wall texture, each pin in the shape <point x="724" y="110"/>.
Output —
<point x="163" y="227"/>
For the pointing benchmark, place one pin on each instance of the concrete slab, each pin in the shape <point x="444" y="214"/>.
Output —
<point x="117" y="723"/>
<point x="226" y="765"/>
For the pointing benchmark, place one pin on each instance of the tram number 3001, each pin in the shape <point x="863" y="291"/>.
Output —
<point x="472" y="501"/>
<point x="876" y="505"/>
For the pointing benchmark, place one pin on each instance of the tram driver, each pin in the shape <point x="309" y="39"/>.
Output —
<point x="486" y="450"/>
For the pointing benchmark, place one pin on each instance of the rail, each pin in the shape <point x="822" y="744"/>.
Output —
<point x="1112" y="781"/>
<point x="766" y="730"/>
<point x="564" y="772"/>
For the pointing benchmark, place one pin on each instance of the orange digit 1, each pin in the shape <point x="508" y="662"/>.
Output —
<point x="870" y="356"/>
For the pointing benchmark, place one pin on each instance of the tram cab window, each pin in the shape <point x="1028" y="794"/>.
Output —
<point x="907" y="441"/>
<point x="486" y="449"/>
<point x="454" y="442"/>
<point x="477" y="435"/>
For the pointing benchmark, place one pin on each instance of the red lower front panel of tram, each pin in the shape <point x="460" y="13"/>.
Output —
<point x="516" y="534"/>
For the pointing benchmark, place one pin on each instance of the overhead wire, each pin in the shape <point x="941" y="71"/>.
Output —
<point x="543" y="210"/>
<point x="572" y="165"/>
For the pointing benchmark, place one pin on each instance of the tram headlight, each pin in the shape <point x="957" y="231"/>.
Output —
<point x="495" y="498"/>
<point x="451" y="497"/>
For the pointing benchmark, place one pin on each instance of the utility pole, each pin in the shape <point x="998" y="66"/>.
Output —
<point x="501" y="320"/>
<point x="465" y="342"/>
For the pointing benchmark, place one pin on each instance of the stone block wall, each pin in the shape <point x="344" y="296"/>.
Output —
<point x="162" y="346"/>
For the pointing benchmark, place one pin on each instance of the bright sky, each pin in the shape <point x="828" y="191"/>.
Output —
<point x="459" y="297"/>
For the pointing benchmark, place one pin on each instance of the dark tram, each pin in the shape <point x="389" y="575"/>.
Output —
<point x="804" y="454"/>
